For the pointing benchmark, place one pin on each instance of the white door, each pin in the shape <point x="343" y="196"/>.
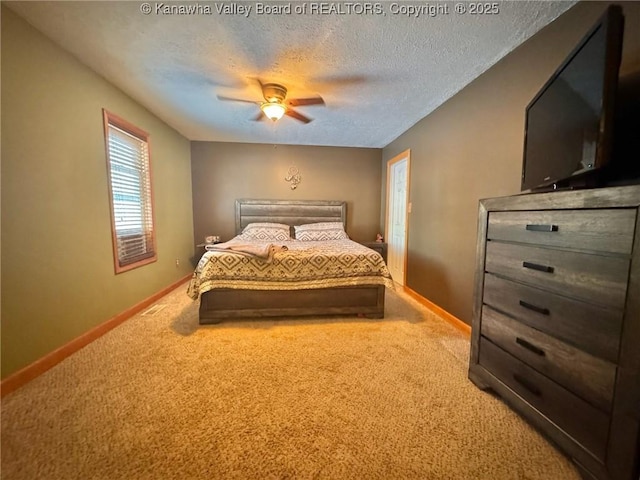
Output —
<point x="397" y="197"/>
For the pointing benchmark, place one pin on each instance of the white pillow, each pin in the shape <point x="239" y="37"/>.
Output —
<point x="320" y="231"/>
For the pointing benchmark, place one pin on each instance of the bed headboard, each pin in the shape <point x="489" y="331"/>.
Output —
<point x="289" y="212"/>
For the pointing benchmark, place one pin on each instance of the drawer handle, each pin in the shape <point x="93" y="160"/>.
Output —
<point x="537" y="266"/>
<point x="541" y="228"/>
<point x="535" y="308"/>
<point x="529" y="346"/>
<point x="526" y="384"/>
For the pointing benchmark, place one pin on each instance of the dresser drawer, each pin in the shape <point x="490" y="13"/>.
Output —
<point x="597" y="279"/>
<point x="589" y="327"/>
<point x="607" y="230"/>
<point x="581" y="421"/>
<point x="589" y="377"/>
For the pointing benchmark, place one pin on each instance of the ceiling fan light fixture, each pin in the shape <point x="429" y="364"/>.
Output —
<point x="273" y="111"/>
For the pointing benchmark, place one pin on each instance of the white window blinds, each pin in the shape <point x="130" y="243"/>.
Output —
<point x="131" y="195"/>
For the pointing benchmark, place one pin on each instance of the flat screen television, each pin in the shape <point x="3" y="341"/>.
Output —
<point x="569" y="123"/>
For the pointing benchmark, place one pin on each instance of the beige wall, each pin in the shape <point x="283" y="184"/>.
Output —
<point x="223" y="172"/>
<point x="58" y="277"/>
<point x="471" y="148"/>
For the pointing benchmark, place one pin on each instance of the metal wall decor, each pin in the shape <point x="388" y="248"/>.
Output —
<point x="293" y="176"/>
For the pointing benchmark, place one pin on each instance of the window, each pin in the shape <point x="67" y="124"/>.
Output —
<point x="129" y="169"/>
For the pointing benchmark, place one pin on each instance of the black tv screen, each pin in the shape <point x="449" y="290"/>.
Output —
<point x="569" y="123"/>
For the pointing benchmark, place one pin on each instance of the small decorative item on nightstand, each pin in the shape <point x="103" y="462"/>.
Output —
<point x="212" y="239"/>
<point x="209" y="240"/>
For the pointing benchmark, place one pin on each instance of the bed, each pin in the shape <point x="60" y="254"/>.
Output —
<point x="352" y="278"/>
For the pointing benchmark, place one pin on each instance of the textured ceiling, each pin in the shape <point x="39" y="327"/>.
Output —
<point x="379" y="73"/>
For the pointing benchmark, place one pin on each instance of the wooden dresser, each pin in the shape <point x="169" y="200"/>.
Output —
<point x="556" y="320"/>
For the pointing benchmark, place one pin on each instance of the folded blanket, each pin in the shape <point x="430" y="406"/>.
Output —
<point x="262" y="251"/>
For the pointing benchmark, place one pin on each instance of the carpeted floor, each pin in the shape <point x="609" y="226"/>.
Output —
<point x="161" y="397"/>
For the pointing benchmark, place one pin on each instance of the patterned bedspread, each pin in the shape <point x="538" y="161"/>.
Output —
<point x="302" y="265"/>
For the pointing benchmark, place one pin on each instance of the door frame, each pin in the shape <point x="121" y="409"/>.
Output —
<point x="406" y="154"/>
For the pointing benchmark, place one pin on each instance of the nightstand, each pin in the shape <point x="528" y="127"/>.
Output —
<point x="380" y="247"/>
<point x="202" y="248"/>
<point x="204" y="245"/>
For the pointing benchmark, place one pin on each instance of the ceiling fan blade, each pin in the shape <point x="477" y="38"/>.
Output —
<point x="230" y="99"/>
<point x="259" y="82"/>
<point x="340" y="80"/>
<point x="298" y="116"/>
<point x="296" y="102"/>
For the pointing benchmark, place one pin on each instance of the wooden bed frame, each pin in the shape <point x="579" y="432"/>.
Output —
<point x="224" y="303"/>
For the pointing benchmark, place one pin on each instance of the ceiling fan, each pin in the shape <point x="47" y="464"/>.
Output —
<point x="276" y="104"/>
